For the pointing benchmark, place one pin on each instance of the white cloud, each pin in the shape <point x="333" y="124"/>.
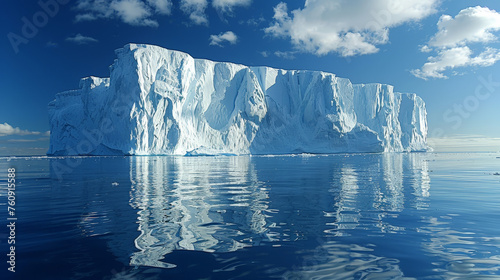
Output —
<point x="254" y="21"/>
<point x="81" y="40"/>
<point x="447" y="59"/>
<point x="196" y="10"/>
<point x="93" y="9"/>
<point x="425" y="49"/>
<point x="218" y="40"/>
<point x="85" y="17"/>
<point x="285" y="55"/>
<point x="473" y="24"/>
<point x="451" y="58"/>
<point x="6" y="129"/>
<point x="163" y="7"/>
<point x="133" y="12"/>
<point x="349" y="28"/>
<point x="226" y="6"/>
<point x="142" y="12"/>
<point x="453" y="39"/>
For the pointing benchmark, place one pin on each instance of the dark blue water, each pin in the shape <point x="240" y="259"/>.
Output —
<point x="374" y="216"/>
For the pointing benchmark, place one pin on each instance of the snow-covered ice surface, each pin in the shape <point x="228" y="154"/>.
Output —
<point x="163" y="102"/>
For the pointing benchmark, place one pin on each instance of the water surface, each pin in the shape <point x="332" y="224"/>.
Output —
<point x="360" y="216"/>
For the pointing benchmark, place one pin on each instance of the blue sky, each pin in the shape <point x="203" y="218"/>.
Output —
<point x="445" y="51"/>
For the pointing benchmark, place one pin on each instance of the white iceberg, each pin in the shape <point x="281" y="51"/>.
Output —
<point x="164" y="102"/>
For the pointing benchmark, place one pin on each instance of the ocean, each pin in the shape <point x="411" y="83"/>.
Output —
<point x="343" y="216"/>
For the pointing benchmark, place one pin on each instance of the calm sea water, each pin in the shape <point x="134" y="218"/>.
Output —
<point x="366" y="216"/>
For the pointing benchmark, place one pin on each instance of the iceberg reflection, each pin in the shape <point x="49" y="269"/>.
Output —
<point x="371" y="190"/>
<point x="224" y="204"/>
<point x="210" y="204"/>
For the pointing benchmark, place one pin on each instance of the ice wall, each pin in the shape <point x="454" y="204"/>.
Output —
<point x="163" y="102"/>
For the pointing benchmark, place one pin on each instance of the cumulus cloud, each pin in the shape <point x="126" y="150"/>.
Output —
<point x="452" y="42"/>
<point x="425" y="49"/>
<point x="226" y="6"/>
<point x="349" y="28"/>
<point x="196" y="10"/>
<point x="451" y="58"/>
<point x="6" y="130"/>
<point x="133" y="12"/>
<point x="474" y="24"/>
<point x="163" y="7"/>
<point x="219" y="40"/>
<point x="81" y="40"/>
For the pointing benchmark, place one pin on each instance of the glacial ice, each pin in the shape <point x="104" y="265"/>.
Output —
<point x="164" y="102"/>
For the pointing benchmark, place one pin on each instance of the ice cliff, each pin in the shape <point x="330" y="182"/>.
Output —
<point x="162" y="102"/>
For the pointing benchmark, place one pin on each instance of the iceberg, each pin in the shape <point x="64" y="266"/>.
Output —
<point x="164" y="102"/>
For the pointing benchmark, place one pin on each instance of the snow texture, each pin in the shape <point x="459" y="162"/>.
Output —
<point x="163" y="102"/>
